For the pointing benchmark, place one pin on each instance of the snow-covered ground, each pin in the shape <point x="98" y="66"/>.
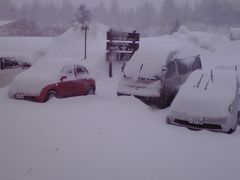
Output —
<point x="105" y="137"/>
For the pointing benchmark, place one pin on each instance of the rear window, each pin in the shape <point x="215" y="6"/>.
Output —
<point x="196" y="64"/>
<point x="171" y="69"/>
<point x="182" y="67"/>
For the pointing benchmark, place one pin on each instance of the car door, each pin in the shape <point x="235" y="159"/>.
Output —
<point x="65" y="86"/>
<point x="172" y="79"/>
<point x="80" y="85"/>
<point x="183" y="71"/>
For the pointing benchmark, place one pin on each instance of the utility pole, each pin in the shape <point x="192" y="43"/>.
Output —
<point x="85" y="28"/>
<point x="196" y="10"/>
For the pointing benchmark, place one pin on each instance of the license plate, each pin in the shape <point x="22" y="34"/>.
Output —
<point x="196" y="121"/>
<point x="19" y="96"/>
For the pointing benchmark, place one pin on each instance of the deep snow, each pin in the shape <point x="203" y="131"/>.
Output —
<point x="105" y="137"/>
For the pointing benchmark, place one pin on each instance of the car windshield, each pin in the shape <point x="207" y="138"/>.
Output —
<point x="68" y="71"/>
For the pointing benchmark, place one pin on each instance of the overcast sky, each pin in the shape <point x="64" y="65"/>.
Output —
<point x="122" y="3"/>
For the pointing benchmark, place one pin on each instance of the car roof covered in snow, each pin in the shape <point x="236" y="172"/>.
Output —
<point x="207" y="94"/>
<point x="19" y="56"/>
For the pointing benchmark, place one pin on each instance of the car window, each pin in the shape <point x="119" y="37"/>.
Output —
<point x="68" y="71"/>
<point x="9" y="63"/>
<point x="196" y="64"/>
<point x="182" y="68"/>
<point x="171" y="69"/>
<point x="80" y="70"/>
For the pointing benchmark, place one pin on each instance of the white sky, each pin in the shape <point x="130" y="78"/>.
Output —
<point x="122" y="3"/>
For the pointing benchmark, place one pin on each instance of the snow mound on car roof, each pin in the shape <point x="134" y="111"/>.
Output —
<point x="154" y="52"/>
<point x="211" y="98"/>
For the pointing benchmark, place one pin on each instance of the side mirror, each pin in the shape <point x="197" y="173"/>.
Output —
<point x="62" y="78"/>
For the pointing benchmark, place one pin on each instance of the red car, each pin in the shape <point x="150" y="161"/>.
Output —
<point x="55" y="79"/>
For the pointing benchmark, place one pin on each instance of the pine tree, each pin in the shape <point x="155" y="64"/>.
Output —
<point x="83" y="15"/>
<point x="169" y="12"/>
<point x="66" y="13"/>
<point x="7" y="10"/>
<point x="100" y="13"/>
<point x="114" y="14"/>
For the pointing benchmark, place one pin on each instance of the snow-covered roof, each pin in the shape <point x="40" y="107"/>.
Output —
<point x="207" y="95"/>
<point x="19" y="56"/>
<point x="5" y="22"/>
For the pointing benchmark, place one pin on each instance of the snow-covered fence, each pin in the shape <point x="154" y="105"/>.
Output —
<point x="234" y="34"/>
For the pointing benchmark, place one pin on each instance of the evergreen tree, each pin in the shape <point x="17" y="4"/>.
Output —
<point x="83" y="15"/>
<point x="169" y="12"/>
<point x="147" y="15"/>
<point x="66" y="13"/>
<point x="114" y="14"/>
<point x="175" y="27"/>
<point x="100" y="13"/>
<point x="7" y="10"/>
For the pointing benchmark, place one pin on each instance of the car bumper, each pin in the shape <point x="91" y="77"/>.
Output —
<point x="213" y="124"/>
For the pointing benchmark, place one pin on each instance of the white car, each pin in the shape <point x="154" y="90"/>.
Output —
<point x="208" y="100"/>
<point x="158" y="87"/>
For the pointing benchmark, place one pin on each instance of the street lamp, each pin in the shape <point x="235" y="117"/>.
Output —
<point x="85" y="28"/>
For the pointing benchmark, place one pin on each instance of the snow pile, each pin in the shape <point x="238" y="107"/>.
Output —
<point x="200" y="39"/>
<point x="71" y="45"/>
<point x="206" y="95"/>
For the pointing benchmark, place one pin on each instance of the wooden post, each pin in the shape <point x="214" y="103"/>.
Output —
<point x="110" y="59"/>
<point x="85" y="44"/>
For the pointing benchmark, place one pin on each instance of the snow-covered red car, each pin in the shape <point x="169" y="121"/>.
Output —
<point x="50" y="77"/>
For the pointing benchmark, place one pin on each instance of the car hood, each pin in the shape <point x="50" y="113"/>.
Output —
<point x="202" y="104"/>
<point x="30" y="85"/>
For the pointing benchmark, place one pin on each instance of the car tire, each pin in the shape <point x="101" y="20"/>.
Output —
<point x="51" y="94"/>
<point x="120" y="94"/>
<point x="91" y="91"/>
<point x="238" y="117"/>
<point x="232" y="130"/>
<point x="194" y="129"/>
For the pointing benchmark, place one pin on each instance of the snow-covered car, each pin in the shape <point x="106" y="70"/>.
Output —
<point x="14" y="60"/>
<point x="51" y="77"/>
<point x="208" y="100"/>
<point x="234" y="34"/>
<point x="159" y="87"/>
<point x="12" y="64"/>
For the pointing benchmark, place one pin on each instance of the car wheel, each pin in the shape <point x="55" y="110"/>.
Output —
<point x="232" y="130"/>
<point x="194" y="129"/>
<point x="119" y="94"/>
<point x="91" y="90"/>
<point x="238" y="117"/>
<point x="51" y="94"/>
